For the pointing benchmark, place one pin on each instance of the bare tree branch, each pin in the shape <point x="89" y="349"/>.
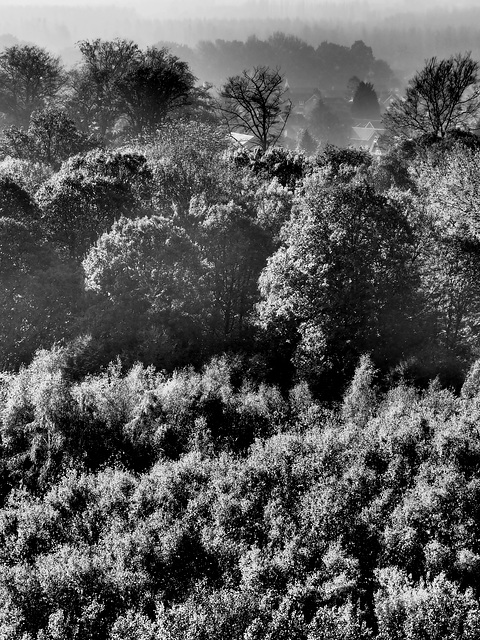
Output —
<point x="254" y="103"/>
<point x="443" y="96"/>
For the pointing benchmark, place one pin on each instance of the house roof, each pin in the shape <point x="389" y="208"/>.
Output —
<point x="242" y="138"/>
<point x="371" y="124"/>
<point x="364" y="133"/>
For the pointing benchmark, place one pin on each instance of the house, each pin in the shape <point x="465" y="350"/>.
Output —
<point x="296" y="124"/>
<point x="386" y="101"/>
<point x="365" y="135"/>
<point x="244" y="140"/>
<point x="303" y="100"/>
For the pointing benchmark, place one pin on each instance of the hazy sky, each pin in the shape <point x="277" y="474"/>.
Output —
<point x="197" y="6"/>
<point x="439" y="27"/>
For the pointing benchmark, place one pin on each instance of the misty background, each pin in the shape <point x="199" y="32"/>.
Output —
<point x="403" y="33"/>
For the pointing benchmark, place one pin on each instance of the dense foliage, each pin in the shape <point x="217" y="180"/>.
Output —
<point x="200" y="504"/>
<point x="240" y="389"/>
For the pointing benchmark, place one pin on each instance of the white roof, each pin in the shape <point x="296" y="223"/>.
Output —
<point x="242" y="138"/>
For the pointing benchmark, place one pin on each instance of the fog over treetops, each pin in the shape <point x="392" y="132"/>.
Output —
<point x="402" y="33"/>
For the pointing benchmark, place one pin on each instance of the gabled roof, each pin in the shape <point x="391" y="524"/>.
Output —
<point x="371" y="124"/>
<point x="242" y="138"/>
<point x="364" y="133"/>
<point x="365" y="136"/>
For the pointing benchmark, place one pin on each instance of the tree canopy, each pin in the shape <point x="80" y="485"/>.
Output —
<point x="157" y="85"/>
<point x="365" y="102"/>
<point x="29" y="78"/>
<point x="441" y="97"/>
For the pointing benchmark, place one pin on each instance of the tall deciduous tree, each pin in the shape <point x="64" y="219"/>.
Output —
<point x="55" y="137"/>
<point x="158" y="84"/>
<point x="342" y="282"/>
<point x="30" y="77"/>
<point x="236" y="249"/>
<point x="451" y="253"/>
<point x="149" y="279"/>
<point x="82" y="102"/>
<point x="441" y="97"/>
<point x="105" y="63"/>
<point x="255" y="103"/>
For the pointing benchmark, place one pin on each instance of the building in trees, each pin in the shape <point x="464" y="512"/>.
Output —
<point x="255" y="103"/>
<point x="365" y="134"/>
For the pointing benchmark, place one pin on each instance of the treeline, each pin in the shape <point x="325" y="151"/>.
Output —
<point x="327" y="66"/>
<point x="404" y="40"/>
<point x="403" y="37"/>
<point x="117" y="90"/>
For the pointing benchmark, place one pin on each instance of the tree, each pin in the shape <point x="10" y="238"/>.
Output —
<point x="254" y="103"/>
<point x="187" y="161"/>
<point x="55" y="137"/>
<point x="76" y="209"/>
<point x="127" y="168"/>
<point x="362" y="58"/>
<point x="39" y="297"/>
<point x="30" y="77"/>
<point x="236" y="249"/>
<point x="365" y="102"/>
<point x="51" y="138"/>
<point x="436" y="608"/>
<point x="156" y="85"/>
<point x="105" y="63"/>
<point x="307" y="143"/>
<point x="16" y="202"/>
<point x="151" y="298"/>
<point x="451" y="251"/>
<point x="327" y="126"/>
<point x="352" y="86"/>
<point x="82" y="100"/>
<point x="441" y="97"/>
<point x="342" y="283"/>
<point x="29" y="175"/>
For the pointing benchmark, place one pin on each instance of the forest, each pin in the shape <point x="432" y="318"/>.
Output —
<point x="239" y="388"/>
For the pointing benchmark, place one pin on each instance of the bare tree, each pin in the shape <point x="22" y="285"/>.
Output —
<point x="254" y="103"/>
<point x="441" y="97"/>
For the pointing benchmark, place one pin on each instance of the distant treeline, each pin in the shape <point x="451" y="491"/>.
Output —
<point x="328" y="66"/>
<point x="404" y="40"/>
